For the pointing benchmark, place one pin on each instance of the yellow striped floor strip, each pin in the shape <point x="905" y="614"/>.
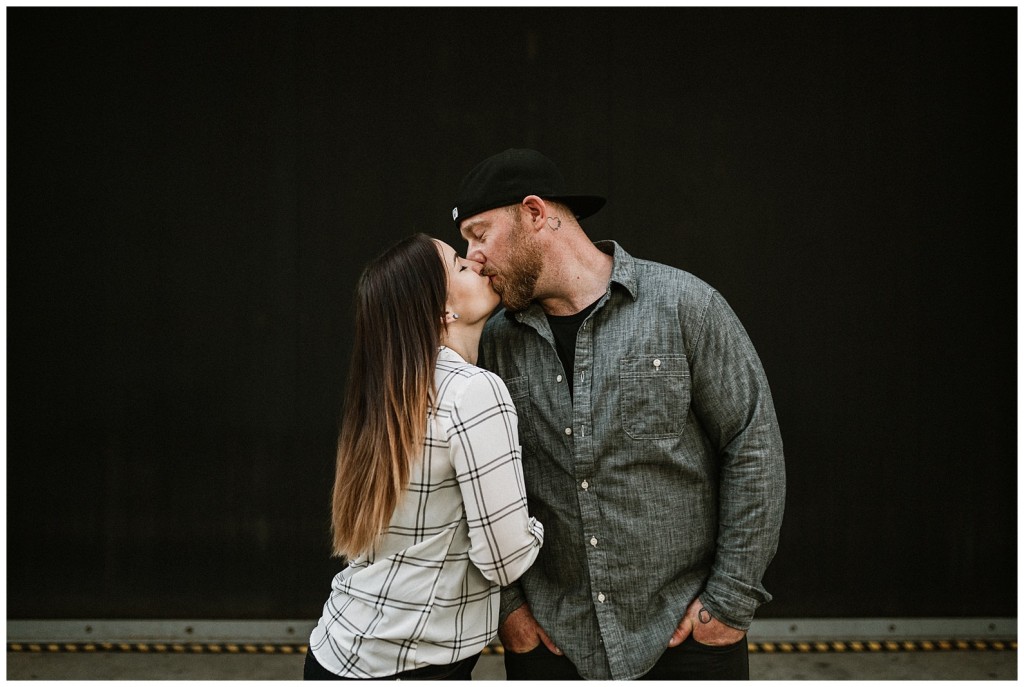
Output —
<point x="880" y="646"/>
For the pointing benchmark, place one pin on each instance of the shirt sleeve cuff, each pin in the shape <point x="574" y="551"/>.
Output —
<point x="511" y="599"/>
<point x="733" y="602"/>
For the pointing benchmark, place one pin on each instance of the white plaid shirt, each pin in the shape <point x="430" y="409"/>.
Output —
<point x="429" y="594"/>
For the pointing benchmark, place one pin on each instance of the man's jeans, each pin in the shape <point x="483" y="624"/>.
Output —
<point x="688" y="661"/>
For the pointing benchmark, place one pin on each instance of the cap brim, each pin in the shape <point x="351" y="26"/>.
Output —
<point x="581" y="206"/>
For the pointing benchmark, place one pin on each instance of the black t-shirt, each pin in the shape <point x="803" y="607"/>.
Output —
<point x="565" y="328"/>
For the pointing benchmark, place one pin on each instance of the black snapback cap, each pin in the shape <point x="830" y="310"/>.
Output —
<point x="508" y="177"/>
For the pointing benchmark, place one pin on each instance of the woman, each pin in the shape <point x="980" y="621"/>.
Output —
<point x="429" y="504"/>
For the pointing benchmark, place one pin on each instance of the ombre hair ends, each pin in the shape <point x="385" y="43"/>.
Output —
<point x="399" y="318"/>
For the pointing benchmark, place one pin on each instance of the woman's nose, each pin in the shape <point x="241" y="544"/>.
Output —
<point x="472" y="264"/>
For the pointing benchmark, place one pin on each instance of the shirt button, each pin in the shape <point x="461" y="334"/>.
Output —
<point x="657" y="362"/>
<point x="593" y="541"/>
<point x="568" y="431"/>
<point x="558" y="378"/>
<point x="601" y="597"/>
<point x="585" y="484"/>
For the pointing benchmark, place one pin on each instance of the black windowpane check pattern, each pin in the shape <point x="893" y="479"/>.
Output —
<point x="429" y="594"/>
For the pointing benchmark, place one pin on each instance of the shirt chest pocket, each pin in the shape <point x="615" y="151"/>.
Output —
<point x="654" y="395"/>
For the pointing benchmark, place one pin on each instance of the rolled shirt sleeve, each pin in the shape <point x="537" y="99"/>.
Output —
<point x="485" y="453"/>
<point x="733" y="401"/>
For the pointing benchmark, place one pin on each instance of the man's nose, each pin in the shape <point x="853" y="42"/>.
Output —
<point x="474" y="254"/>
<point x="472" y="264"/>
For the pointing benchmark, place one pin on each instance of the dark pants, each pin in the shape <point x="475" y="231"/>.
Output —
<point x="688" y="661"/>
<point x="463" y="670"/>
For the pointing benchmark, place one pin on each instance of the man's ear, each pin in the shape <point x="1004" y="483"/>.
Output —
<point x="535" y="210"/>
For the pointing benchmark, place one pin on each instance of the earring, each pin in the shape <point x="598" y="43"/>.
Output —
<point x="455" y="316"/>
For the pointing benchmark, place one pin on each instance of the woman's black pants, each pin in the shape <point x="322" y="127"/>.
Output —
<point x="462" y="670"/>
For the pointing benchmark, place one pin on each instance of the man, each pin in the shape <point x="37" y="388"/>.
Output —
<point x="651" y="449"/>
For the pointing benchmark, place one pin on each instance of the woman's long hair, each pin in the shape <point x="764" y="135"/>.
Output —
<point x="399" y="318"/>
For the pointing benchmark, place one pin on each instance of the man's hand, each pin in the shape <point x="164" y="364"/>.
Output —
<point x="704" y="627"/>
<point x="521" y="633"/>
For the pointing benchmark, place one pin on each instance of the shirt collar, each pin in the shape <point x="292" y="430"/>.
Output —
<point x="623" y="265"/>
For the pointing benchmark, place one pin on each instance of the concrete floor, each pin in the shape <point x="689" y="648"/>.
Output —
<point x="950" y="665"/>
<point x="783" y="649"/>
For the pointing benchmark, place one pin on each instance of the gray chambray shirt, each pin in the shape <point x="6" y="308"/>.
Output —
<point x="661" y="480"/>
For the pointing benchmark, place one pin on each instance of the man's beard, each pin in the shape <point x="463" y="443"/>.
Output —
<point x="518" y="281"/>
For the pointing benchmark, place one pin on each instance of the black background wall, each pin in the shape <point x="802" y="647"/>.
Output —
<point x="192" y="192"/>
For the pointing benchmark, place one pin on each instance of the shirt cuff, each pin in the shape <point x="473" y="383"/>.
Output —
<point x="733" y="602"/>
<point x="511" y="599"/>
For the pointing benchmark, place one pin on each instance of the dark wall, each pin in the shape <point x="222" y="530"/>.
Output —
<point x="192" y="192"/>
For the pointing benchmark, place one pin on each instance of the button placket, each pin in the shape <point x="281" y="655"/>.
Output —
<point x="597" y="552"/>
